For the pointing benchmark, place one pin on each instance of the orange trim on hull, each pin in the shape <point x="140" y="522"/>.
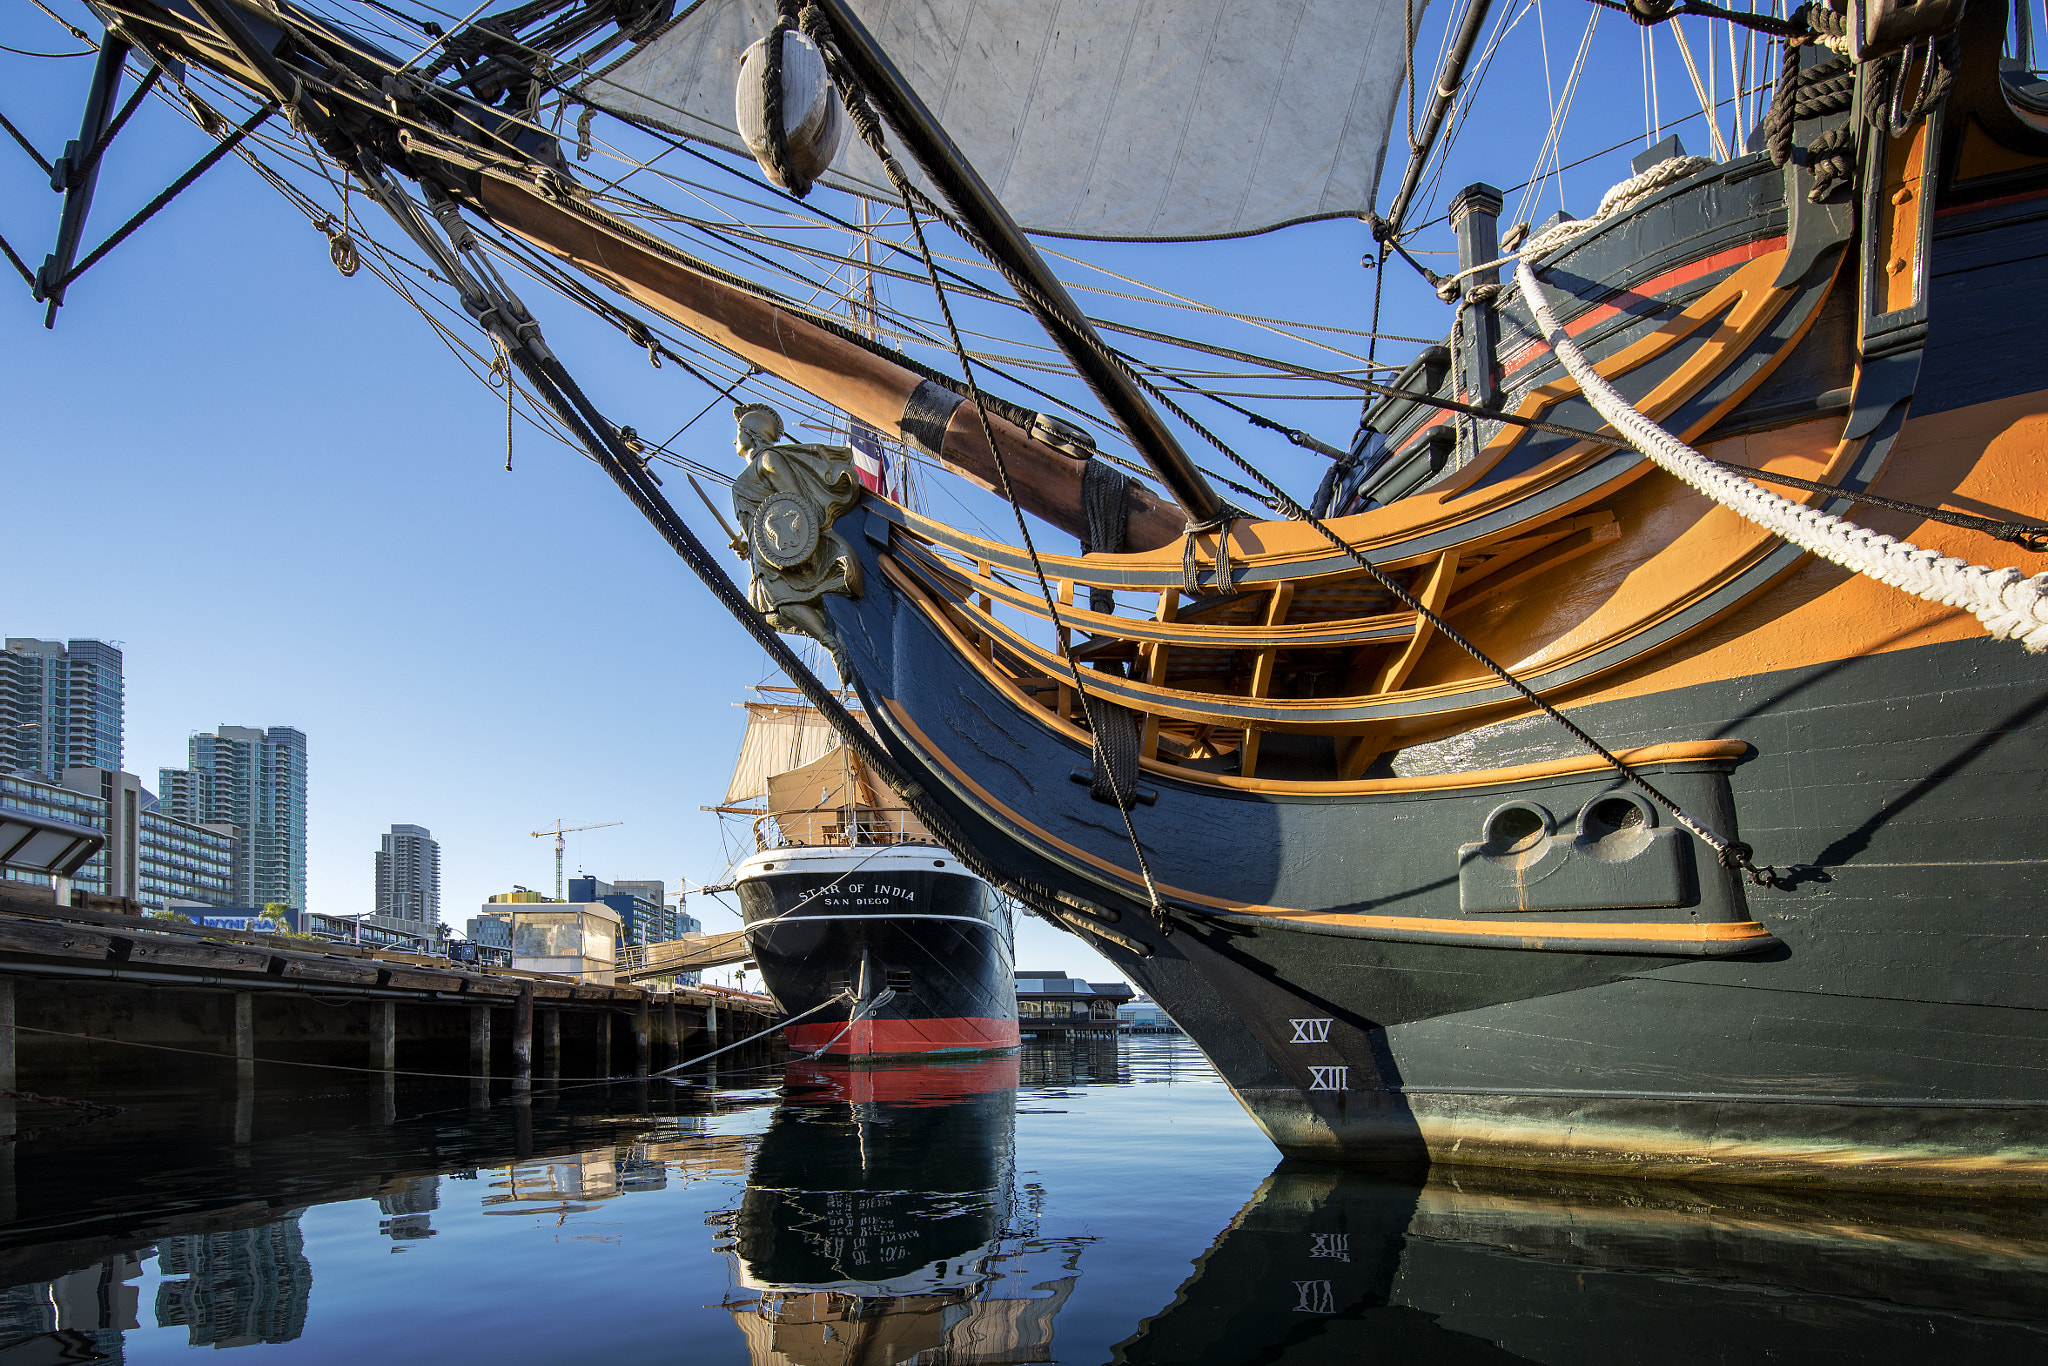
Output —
<point x="1670" y="279"/>
<point x="1507" y="934"/>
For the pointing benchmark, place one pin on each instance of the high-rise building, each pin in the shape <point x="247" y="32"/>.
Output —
<point x="60" y="706"/>
<point x="255" y="781"/>
<point x="409" y="875"/>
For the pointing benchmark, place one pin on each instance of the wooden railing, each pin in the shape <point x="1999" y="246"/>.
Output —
<point x="1213" y="674"/>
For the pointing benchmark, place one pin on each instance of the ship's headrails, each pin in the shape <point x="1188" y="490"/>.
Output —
<point x="1747" y="328"/>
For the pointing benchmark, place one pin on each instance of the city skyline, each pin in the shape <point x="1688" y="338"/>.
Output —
<point x="487" y="865"/>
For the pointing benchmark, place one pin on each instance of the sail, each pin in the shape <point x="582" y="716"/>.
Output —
<point x="1140" y="120"/>
<point x="778" y="739"/>
<point x="810" y="803"/>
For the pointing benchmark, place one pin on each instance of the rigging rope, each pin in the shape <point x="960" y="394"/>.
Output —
<point x="1732" y="853"/>
<point x="2008" y="603"/>
<point x="1123" y="796"/>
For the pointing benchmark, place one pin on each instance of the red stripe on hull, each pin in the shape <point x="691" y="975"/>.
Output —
<point x="907" y="1083"/>
<point x="869" y="1038"/>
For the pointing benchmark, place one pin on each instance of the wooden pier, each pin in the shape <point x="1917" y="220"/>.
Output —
<point x="96" y="995"/>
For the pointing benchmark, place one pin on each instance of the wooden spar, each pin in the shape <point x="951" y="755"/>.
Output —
<point x="791" y="347"/>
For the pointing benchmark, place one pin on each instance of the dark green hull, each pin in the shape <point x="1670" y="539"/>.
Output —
<point x="1898" y="1035"/>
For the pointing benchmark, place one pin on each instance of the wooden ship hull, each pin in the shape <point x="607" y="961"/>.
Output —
<point x="1384" y="965"/>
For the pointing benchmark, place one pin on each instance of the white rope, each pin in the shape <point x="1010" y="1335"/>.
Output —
<point x="1620" y="199"/>
<point x="2009" y="604"/>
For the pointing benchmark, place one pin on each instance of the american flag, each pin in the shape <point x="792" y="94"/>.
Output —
<point x="871" y="458"/>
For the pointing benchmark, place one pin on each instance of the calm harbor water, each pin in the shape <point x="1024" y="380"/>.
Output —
<point x="1091" y="1201"/>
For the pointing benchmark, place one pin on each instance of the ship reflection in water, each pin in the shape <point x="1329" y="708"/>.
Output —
<point x="880" y="1224"/>
<point x="1085" y="1202"/>
<point x="1327" y="1265"/>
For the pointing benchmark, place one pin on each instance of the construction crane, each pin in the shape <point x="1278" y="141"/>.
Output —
<point x="559" y="831"/>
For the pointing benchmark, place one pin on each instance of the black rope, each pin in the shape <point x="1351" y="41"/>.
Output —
<point x="2029" y="536"/>
<point x="74" y="30"/>
<point x="1732" y="853"/>
<point x="19" y="264"/>
<point x="1647" y="12"/>
<point x="76" y="174"/>
<point x="176" y="188"/>
<point x="1293" y="434"/>
<point x="24" y="52"/>
<point x="27" y="146"/>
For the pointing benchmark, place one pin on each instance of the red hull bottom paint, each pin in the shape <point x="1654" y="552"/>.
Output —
<point x="867" y="1038"/>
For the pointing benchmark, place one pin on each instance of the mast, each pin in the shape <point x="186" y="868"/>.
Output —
<point x="1433" y="122"/>
<point x="1063" y="321"/>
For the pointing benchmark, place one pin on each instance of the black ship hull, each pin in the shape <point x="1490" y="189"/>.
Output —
<point x="1875" y="1016"/>
<point x="883" y="951"/>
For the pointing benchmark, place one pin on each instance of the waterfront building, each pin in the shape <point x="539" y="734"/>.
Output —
<point x="644" y="915"/>
<point x="577" y="939"/>
<point x="49" y="813"/>
<point x="254" y="780"/>
<point x="409" y="875"/>
<point x="1143" y="1015"/>
<point x="408" y="1206"/>
<point x="149" y="858"/>
<point x="61" y="706"/>
<point x="1052" y="1002"/>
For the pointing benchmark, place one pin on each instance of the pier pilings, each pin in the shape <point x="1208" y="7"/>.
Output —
<point x="92" y="999"/>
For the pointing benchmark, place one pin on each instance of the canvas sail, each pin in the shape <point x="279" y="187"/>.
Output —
<point x="1146" y="120"/>
<point x="778" y="739"/>
<point x="810" y="803"/>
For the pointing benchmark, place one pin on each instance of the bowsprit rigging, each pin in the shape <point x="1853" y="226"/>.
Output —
<point x="1461" y="759"/>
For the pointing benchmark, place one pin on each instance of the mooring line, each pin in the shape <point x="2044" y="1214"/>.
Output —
<point x="392" y="1071"/>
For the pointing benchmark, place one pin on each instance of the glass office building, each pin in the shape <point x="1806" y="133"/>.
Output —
<point x="255" y="781"/>
<point x="60" y="706"/>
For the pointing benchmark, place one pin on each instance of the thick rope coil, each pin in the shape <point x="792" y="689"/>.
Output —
<point x="1117" y="740"/>
<point x="1829" y="28"/>
<point x="2010" y="605"/>
<point x="1618" y="200"/>
<point x="1105" y="516"/>
<point x="1832" y="159"/>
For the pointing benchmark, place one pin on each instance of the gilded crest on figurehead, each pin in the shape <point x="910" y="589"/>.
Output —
<point x="787" y="498"/>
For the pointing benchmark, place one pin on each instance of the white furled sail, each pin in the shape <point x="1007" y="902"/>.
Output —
<point x="1129" y="120"/>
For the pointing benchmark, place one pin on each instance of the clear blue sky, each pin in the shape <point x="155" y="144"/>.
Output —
<point x="274" y="488"/>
